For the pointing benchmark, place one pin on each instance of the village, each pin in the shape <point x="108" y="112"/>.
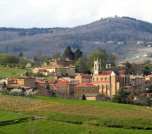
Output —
<point x="65" y="83"/>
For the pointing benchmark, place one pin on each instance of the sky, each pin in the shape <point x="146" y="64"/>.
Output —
<point x="68" y="13"/>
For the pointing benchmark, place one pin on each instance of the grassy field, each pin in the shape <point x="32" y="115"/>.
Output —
<point x="11" y="72"/>
<point x="55" y="115"/>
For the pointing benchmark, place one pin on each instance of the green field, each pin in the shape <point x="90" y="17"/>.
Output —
<point x="43" y="115"/>
<point x="11" y="72"/>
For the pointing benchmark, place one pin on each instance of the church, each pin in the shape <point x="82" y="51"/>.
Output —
<point x="109" y="82"/>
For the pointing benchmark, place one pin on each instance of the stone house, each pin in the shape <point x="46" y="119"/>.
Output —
<point x="64" y="89"/>
<point x="56" y="71"/>
<point x="137" y="81"/>
<point x="90" y="91"/>
<point x="83" y="77"/>
<point x="59" y="61"/>
<point x="26" y="81"/>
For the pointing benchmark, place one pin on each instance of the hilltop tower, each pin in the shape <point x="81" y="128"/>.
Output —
<point x="97" y="66"/>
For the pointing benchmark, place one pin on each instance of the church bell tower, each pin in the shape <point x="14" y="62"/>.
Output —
<point x="97" y="66"/>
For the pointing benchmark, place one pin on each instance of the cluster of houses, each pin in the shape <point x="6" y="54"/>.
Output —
<point x="69" y="84"/>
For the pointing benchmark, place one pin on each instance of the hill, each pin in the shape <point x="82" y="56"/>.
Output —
<point x="54" y="115"/>
<point x="104" y="33"/>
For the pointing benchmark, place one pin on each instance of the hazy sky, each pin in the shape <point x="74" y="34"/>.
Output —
<point x="68" y="13"/>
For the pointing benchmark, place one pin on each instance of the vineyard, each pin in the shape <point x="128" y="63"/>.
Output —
<point x="18" y="103"/>
<point x="54" y="115"/>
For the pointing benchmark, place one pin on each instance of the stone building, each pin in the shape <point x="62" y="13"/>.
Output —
<point x="56" y="71"/>
<point x="109" y="82"/>
<point x="90" y="91"/>
<point x="59" y="61"/>
<point x="83" y="77"/>
<point x="26" y="82"/>
<point x="137" y="81"/>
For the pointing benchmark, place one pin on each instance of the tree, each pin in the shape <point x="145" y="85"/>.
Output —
<point x="7" y="58"/>
<point x="22" y="61"/>
<point x="100" y="55"/>
<point x="46" y="59"/>
<point x="82" y="65"/>
<point x="20" y="54"/>
<point x="121" y="96"/>
<point x="112" y="59"/>
<point x="38" y="58"/>
<point x="68" y="53"/>
<point x="77" y="54"/>
<point x="4" y="85"/>
<point x="129" y="68"/>
<point x="83" y="97"/>
<point x="147" y="68"/>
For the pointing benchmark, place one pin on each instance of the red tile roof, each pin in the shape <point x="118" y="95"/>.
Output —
<point x="105" y="73"/>
<point x="51" y="81"/>
<point x="61" y="83"/>
<point x="122" y="72"/>
<point x="86" y="75"/>
<point x="149" y="76"/>
<point x="109" y="72"/>
<point x="39" y="81"/>
<point x="85" y="85"/>
<point x="12" y="78"/>
<point x="100" y="82"/>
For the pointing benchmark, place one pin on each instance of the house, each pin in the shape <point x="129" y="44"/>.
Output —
<point x="12" y="82"/>
<point x="70" y="80"/>
<point x="137" y="81"/>
<point x="83" y="77"/>
<point x="56" y="71"/>
<point x="61" y="89"/>
<point x="90" y="91"/>
<point x="64" y="89"/>
<point x="40" y="83"/>
<point x="50" y="85"/>
<point x="59" y="62"/>
<point x="120" y="43"/>
<point x="140" y="42"/>
<point x="148" y="81"/>
<point x="109" y="82"/>
<point x="26" y="81"/>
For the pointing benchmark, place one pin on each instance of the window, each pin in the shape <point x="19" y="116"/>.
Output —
<point x="92" y="90"/>
<point x="83" y="90"/>
<point x="88" y="91"/>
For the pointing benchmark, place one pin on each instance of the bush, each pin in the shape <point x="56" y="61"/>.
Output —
<point x="117" y="98"/>
<point x="2" y="90"/>
<point x="16" y="92"/>
<point x="28" y="93"/>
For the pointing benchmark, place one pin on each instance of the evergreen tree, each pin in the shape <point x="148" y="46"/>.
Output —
<point x="68" y="53"/>
<point x="20" y="54"/>
<point x="83" y="97"/>
<point x="77" y="54"/>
